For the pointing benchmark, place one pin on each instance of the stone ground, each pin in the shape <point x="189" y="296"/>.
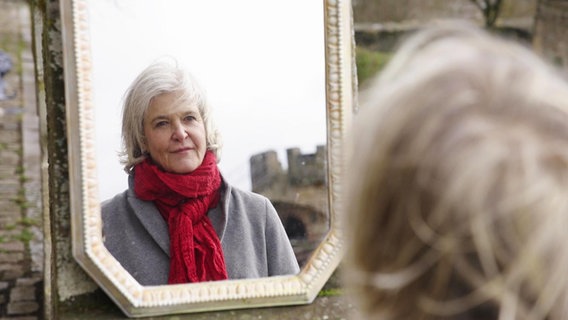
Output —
<point x="21" y="250"/>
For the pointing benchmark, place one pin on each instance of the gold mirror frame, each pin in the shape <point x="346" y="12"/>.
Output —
<point x="89" y="251"/>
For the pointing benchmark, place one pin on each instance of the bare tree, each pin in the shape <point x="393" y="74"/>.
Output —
<point x="490" y="10"/>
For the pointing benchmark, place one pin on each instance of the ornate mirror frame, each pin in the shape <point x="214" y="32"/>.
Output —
<point x="89" y="251"/>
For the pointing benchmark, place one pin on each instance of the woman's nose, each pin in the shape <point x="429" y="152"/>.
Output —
<point x="179" y="133"/>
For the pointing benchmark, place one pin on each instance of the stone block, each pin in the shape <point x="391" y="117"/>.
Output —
<point x="11" y="257"/>
<point x="23" y="293"/>
<point x="13" y="273"/>
<point x="3" y="285"/>
<point x="12" y="136"/>
<point x="28" y="281"/>
<point x="9" y="221"/>
<point x="8" y="266"/>
<point x="15" y="308"/>
<point x="10" y="186"/>
<point x="9" y="158"/>
<point x="9" y="207"/>
<point x="11" y="125"/>
<point x="14" y="246"/>
<point x="11" y="233"/>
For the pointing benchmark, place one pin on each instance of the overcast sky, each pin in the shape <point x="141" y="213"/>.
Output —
<point x="260" y="61"/>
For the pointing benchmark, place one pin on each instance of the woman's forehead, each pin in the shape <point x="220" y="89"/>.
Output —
<point x="171" y="103"/>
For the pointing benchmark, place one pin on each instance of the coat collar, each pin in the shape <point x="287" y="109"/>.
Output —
<point x="218" y="215"/>
<point x="156" y="226"/>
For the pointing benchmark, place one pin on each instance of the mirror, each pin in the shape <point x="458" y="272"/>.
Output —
<point x="280" y="105"/>
<point x="279" y="78"/>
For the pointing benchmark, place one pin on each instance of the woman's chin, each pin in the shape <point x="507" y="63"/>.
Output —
<point x="182" y="168"/>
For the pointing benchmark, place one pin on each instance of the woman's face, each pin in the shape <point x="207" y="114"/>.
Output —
<point x="175" y="134"/>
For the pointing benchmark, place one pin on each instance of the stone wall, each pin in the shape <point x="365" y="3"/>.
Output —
<point x="302" y="183"/>
<point x="381" y="24"/>
<point x="299" y="194"/>
<point x="21" y="238"/>
<point x="382" y="11"/>
<point x="550" y="35"/>
<point x="64" y="278"/>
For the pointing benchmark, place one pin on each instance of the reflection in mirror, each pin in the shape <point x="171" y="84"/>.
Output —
<point x="264" y="78"/>
<point x="279" y="78"/>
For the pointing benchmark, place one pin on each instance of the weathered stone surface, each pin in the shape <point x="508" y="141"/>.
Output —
<point x="332" y="308"/>
<point x="12" y="257"/>
<point x="9" y="187"/>
<point x="9" y="222"/>
<point x="9" y="158"/>
<point x="22" y="307"/>
<point x="24" y="293"/>
<point x="28" y="281"/>
<point x="11" y="136"/>
<point x="12" y="246"/>
<point x="13" y="273"/>
<point x="19" y="302"/>
<point x="10" y="234"/>
<point x="13" y="207"/>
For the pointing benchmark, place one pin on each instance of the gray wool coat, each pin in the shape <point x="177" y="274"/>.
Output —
<point x="254" y="241"/>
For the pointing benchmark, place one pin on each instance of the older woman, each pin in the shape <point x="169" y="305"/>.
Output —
<point x="458" y="195"/>
<point x="179" y="221"/>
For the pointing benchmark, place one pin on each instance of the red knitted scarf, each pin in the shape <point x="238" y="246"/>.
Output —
<point x="183" y="200"/>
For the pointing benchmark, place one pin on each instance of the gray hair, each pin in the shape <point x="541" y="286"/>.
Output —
<point x="163" y="76"/>
<point x="458" y="192"/>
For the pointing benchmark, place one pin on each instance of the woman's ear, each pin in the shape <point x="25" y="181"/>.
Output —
<point x="142" y="142"/>
<point x="143" y="148"/>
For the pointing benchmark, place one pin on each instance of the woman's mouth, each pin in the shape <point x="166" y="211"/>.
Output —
<point x="181" y="150"/>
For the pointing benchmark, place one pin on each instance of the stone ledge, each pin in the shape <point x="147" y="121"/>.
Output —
<point x="99" y="306"/>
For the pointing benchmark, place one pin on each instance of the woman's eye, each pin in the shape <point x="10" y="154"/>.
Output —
<point x="160" y="124"/>
<point x="189" y="118"/>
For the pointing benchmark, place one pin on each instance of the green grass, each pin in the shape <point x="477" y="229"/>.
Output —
<point x="369" y="63"/>
<point x="330" y="292"/>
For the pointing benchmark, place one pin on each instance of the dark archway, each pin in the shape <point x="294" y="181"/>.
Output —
<point x="295" y="228"/>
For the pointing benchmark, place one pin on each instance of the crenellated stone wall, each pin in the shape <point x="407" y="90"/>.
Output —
<point x="299" y="194"/>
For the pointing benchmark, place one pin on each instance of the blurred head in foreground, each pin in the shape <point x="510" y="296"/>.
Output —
<point x="458" y="194"/>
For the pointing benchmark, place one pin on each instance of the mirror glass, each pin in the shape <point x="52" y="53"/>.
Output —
<point x="279" y="77"/>
<point x="265" y="79"/>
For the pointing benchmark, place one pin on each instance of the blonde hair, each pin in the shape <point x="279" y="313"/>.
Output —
<point x="458" y="195"/>
<point x="160" y="77"/>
